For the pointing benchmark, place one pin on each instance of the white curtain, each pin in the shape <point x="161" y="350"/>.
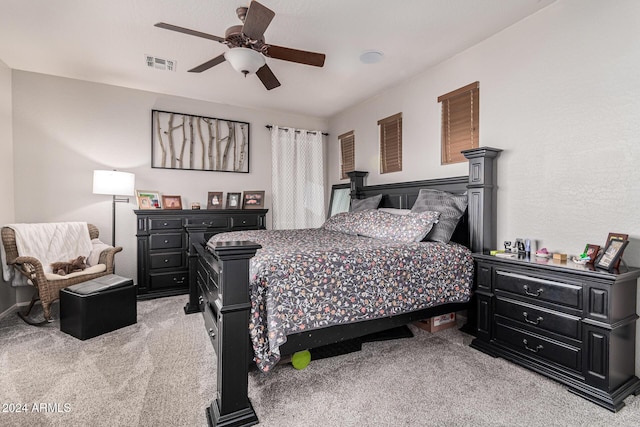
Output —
<point x="297" y="178"/>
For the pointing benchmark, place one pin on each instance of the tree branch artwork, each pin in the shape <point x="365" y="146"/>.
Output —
<point x="189" y="142"/>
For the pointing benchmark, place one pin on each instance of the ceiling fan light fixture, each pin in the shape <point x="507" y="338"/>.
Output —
<point x="244" y="60"/>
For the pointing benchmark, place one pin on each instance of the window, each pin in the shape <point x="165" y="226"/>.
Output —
<point x="460" y="122"/>
<point x="391" y="143"/>
<point x="347" y="153"/>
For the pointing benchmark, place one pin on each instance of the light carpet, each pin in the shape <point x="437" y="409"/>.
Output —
<point x="161" y="372"/>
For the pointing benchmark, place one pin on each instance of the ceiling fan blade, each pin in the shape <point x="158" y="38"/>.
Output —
<point x="211" y="63"/>
<point x="267" y="77"/>
<point x="295" y="55"/>
<point x="188" y="31"/>
<point x="257" y="20"/>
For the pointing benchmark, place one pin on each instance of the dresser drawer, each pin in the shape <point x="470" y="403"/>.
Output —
<point x="549" y="320"/>
<point x="165" y="241"/>
<point x="165" y="223"/>
<point x="169" y="280"/>
<point x="245" y="221"/>
<point x="166" y="260"/>
<point x="539" y="288"/>
<point x="539" y="347"/>
<point x="210" y="221"/>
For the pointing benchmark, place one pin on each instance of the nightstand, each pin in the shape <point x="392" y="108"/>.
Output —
<point x="573" y="323"/>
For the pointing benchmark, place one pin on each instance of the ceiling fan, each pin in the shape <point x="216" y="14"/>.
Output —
<point x="247" y="47"/>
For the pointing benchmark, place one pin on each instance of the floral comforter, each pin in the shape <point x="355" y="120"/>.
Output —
<point x="313" y="278"/>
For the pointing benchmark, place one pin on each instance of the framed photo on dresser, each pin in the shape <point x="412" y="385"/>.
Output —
<point x="214" y="200"/>
<point x="616" y="236"/>
<point x="172" y="202"/>
<point x="610" y="258"/>
<point x="253" y="200"/>
<point x="233" y="200"/>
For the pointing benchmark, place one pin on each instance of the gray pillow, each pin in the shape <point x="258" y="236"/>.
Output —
<point x="451" y="208"/>
<point x="364" y="204"/>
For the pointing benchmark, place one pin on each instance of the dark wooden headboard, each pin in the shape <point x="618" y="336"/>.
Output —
<point x="477" y="228"/>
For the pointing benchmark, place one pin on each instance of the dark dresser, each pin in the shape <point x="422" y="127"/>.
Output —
<point x="570" y="322"/>
<point x="162" y="244"/>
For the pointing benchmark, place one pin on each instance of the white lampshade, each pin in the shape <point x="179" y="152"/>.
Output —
<point x="113" y="183"/>
<point x="244" y="60"/>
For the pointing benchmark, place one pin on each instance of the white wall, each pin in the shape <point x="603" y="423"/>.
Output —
<point x="7" y="293"/>
<point x="64" y="129"/>
<point x="560" y="94"/>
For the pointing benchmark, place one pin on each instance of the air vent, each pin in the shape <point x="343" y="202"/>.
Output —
<point x="160" y="63"/>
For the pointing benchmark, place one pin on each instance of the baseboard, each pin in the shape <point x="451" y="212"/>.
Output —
<point x="8" y="310"/>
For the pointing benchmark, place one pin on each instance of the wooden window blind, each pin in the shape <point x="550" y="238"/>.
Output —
<point x="391" y="143"/>
<point x="460" y="122"/>
<point x="347" y="153"/>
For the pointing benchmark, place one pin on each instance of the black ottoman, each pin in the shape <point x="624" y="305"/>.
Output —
<point x="98" y="306"/>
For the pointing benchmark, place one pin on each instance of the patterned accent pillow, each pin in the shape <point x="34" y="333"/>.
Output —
<point x="412" y="227"/>
<point x="344" y="222"/>
<point x="363" y="204"/>
<point x="451" y="208"/>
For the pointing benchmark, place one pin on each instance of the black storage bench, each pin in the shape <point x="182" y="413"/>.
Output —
<point x="98" y="306"/>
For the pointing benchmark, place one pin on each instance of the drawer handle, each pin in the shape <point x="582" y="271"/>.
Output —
<point x="533" y="350"/>
<point x="179" y="281"/>
<point x="166" y="261"/>
<point x="533" y="294"/>
<point x="211" y="333"/>
<point x="166" y="241"/>
<point x="533" y="322"/>
<point x="165" y="224"/>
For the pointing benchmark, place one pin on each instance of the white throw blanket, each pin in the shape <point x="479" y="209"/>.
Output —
<point x="49" y="242"/>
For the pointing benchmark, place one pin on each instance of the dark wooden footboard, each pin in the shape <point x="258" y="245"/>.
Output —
<point x="219" y="285"/>
<point x="219" y="288"/>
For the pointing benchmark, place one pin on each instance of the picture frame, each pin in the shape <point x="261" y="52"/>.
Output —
<point x="253" y="200"/>
<point x="214" y="200"/>
<point x="610" y="257"/>
<point x="151" y="194"/>
<point x="172" y="202"/>
<point x="233" y="200"/>
<point x="592" y="252"/>
<point x="617" y="236"/>
<point x="191" y="142"/>
<point x="145" y="202"/>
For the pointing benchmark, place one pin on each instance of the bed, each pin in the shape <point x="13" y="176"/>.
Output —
<point x="265" y="294"/>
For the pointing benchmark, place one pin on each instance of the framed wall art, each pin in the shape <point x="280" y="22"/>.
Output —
<point x="188" y="142"/>
<point x="253" y="200"/>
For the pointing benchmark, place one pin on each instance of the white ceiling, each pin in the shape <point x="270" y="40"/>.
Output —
<point x="106" y="41"/>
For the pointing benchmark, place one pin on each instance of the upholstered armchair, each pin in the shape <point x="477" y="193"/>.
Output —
<point x="48" y="286"/>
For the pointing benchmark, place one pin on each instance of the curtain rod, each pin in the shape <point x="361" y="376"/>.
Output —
<point x="309" y="131"/>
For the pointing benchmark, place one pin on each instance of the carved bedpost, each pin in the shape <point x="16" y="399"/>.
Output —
<point x="482" y="197"/>
<point x="357" y="182"/>
<point x="232" y="406"/>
